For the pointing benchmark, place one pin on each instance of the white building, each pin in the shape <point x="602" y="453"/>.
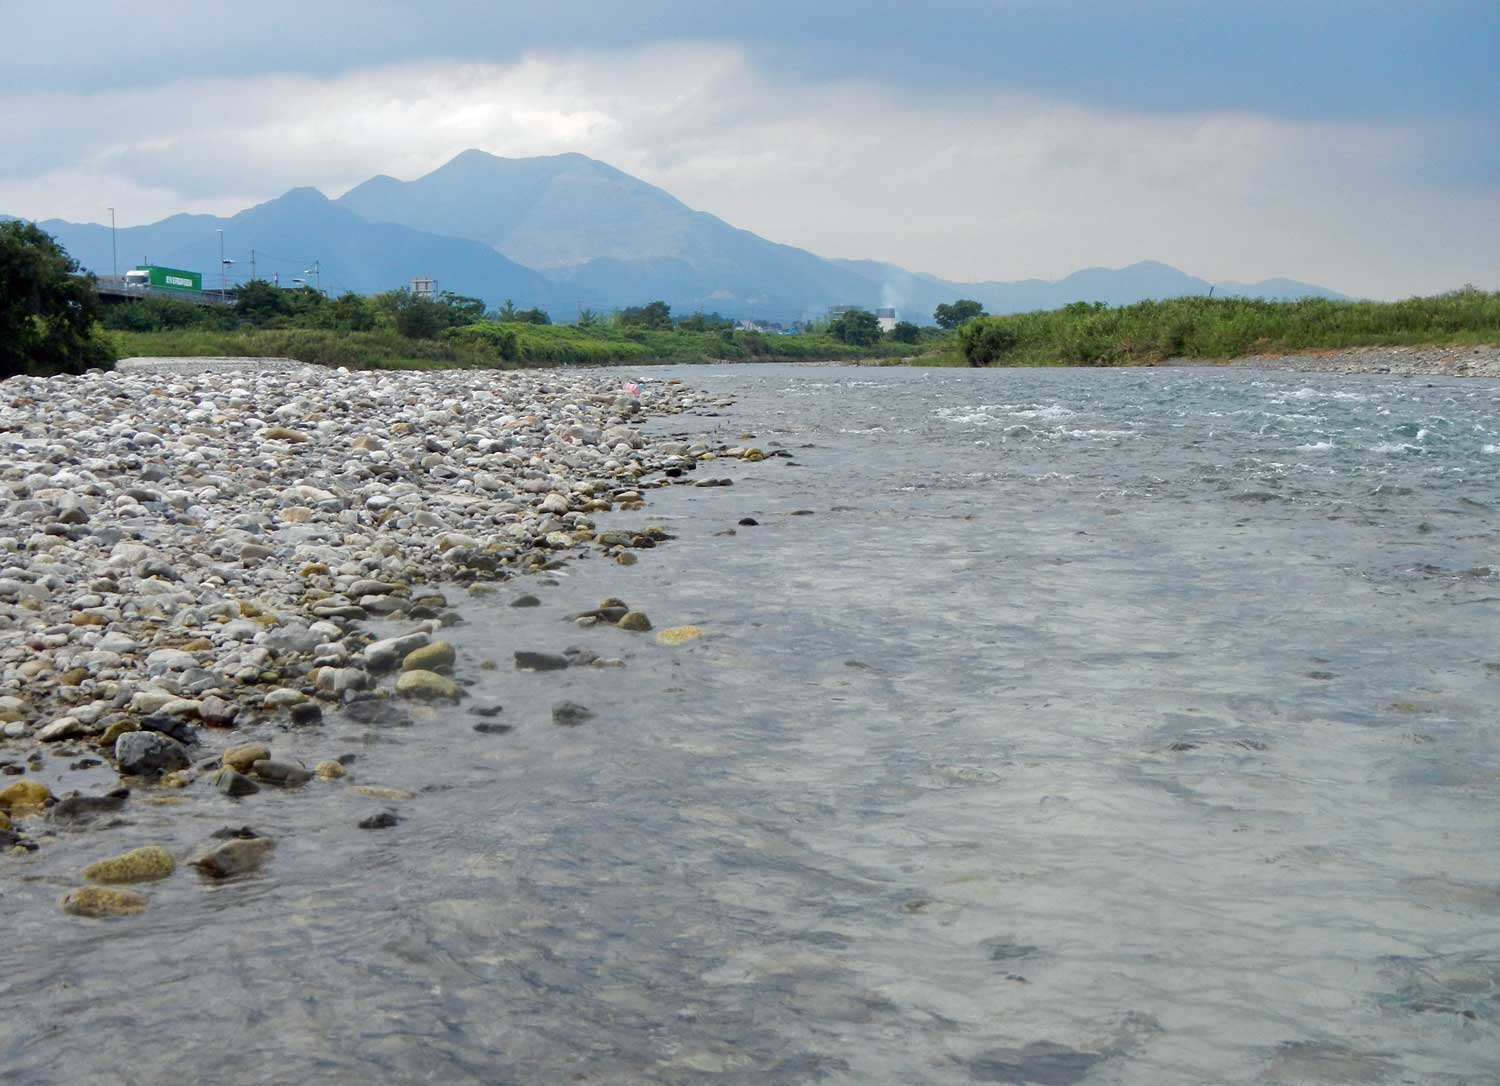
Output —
<point x="887" y="318"/>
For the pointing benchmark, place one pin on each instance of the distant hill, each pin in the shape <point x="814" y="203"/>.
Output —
<point x="567" y="232"/>
<point x="303" y="226"/>
<point x="613" y="240"/>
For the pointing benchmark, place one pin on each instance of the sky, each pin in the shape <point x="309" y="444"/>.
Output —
<point x="1354" y="144"/>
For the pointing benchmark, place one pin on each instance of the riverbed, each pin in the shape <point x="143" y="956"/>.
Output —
<point x="1047" y="726"/>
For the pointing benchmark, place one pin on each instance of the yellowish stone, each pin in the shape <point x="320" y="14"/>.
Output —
<point x="138" y="865"/>
<point x="24" y="796"/>
<point x="241" y="758"/>
<point x="375" y="791"/>
<point x="677" y="635"/>
<point x="329" y="771"/>
<point x="98" y="902"/>
<point x="115" y="730"/>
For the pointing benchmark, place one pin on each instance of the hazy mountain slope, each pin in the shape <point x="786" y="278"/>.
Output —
<point x="598" y="239"/>
<point x="303" y="226"/>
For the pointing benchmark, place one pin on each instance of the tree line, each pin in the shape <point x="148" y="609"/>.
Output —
<point x="53" y="321"/>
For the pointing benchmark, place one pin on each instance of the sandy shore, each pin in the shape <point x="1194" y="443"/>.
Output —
<point x="1483" y="361"/>
<point x="190" y="550"/>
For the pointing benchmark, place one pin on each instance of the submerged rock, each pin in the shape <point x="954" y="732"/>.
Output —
<point x="678" y="635"/>
<point x="438" y="656"/>
<point x="237" y="856"/>
<point x="149" y="754"/>
<point x="540" y="661"/>
<point x="244" y="756"/>
<point x="138" y="865"/>
<point x="569" y="713"/>
<point x="635" y="621"/>
<point x="235" y="784"/>
<point x="427" y="686"/>
<point x="376" y="791"/>
<point x="99" y="902"/>
<point x="24" y="796"/>
<point x="80" y="810"/>
<point x="286" y="773"/>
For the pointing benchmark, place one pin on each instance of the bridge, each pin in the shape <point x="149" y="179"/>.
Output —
<point x="113" y="289"/>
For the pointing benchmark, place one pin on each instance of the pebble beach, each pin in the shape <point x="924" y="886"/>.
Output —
<point x="190" y="551"/>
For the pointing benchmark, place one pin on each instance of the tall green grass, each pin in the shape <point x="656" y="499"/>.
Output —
<point x="560" y="344"/>
<point x="1086" y="334"/>
<point x="490" y="345"/>
<point x="356" y="350"/>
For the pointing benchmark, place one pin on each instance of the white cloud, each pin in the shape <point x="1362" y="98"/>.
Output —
<point x="991" y="186"/>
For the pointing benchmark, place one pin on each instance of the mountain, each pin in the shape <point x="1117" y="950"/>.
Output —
<point x="608" y="239"/>
<point x="289" y="234"/>
<point x="917" y="293"/>
<point x="567" y="232"/>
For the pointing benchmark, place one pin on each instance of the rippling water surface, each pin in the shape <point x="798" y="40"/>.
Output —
<point x="1095" y="727"/>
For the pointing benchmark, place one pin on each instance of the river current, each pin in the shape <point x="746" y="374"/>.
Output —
<point x="1051" y="726"/>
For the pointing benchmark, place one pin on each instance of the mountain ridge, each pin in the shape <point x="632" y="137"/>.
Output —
<point x="569" y="232"/>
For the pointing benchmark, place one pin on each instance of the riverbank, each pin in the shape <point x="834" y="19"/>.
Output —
<point x="190" y="560"/>
<point x="1451" y="361"/>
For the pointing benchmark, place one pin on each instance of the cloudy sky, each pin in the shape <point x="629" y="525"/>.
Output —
<point x="1353" y="143"/>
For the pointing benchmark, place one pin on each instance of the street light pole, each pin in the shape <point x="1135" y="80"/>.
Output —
<point x="114" y="251"/>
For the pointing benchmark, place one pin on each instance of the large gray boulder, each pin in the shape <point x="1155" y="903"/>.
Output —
<point x="149" y="754"/>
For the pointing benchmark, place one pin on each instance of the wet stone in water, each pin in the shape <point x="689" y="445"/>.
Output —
<point x="233" y="783"/>
<point x="307" y="713"/>
<point x="540" y="661"/>
<point x="569" y="713"/>
<point x="1040" y="1063"/>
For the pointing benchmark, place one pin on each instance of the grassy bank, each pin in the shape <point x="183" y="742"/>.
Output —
<point x="493" y="345"/>
<point x="1086" y="334"/>
<point x="356" y="350"/>
<point x="548" y="345"/>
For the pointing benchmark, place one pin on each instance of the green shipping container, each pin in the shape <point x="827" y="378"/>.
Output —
<point x="172" y="278"/>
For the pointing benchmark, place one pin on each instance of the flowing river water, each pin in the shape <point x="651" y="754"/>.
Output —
<point x="1129" y="726"/>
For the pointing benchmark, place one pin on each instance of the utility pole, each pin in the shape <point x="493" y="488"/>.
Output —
<point x="114" y="251"/>
<point x="223" y="283"/>
<point x="252" y="265"/>
<point x="318" y="276"/>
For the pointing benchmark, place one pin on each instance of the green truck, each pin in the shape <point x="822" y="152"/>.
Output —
<point x="155" y="277"/>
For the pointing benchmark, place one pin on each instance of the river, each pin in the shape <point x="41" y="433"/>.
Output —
<point x="1050" y="726"/>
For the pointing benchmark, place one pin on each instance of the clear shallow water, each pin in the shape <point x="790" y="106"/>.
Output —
<point x="1097" y="727"/>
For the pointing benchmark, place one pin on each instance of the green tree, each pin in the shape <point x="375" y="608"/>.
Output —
<point x="988" y="340"/>
<point x="858" y="327"/>
<point x="462" y="309"/>
<point x="260" y="302"/>
<point x="905" y="332"/>
<point x="704" y="322"/>
<point x="959" y="313"/>
<point x="156" y="313"/>
<point x="352" y="313"/>
<point x="48" y="311"/>
<point x="656" y="315"/>
<point x="420" y="318"/>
